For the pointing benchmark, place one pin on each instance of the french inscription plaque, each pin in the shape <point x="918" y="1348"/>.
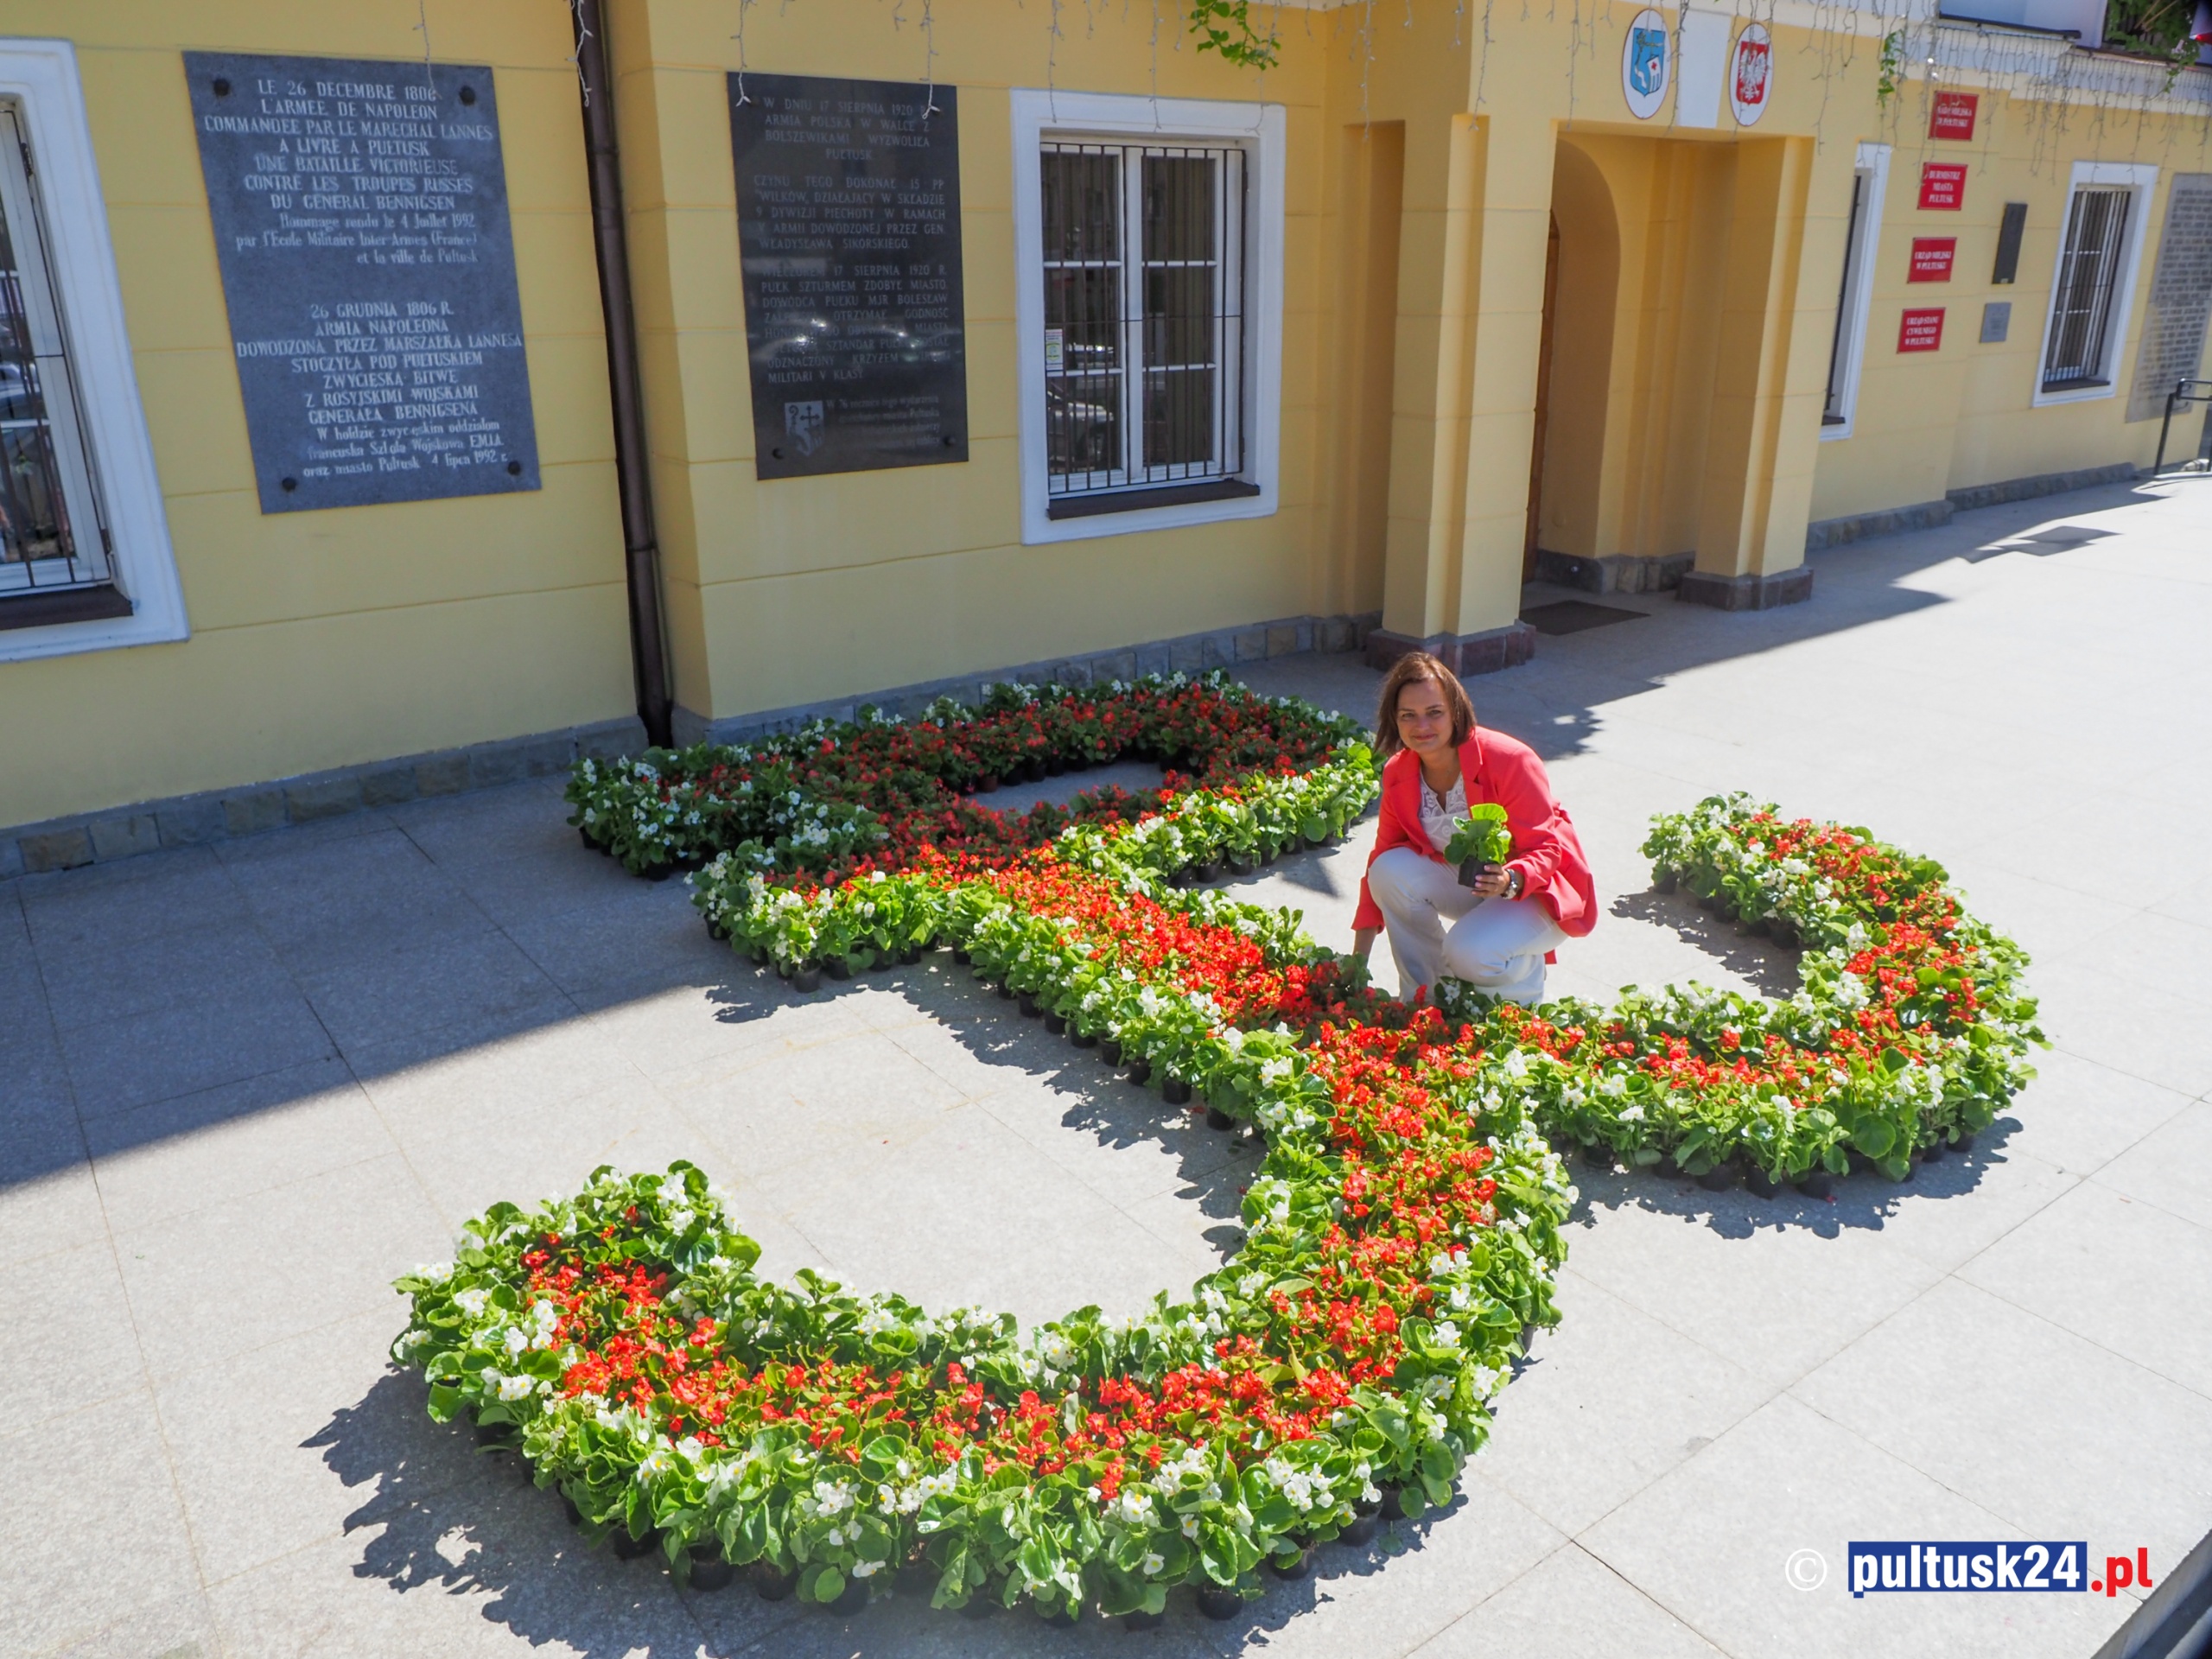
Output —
<point x="849" y="234"/>
<point x="360" y="215"/>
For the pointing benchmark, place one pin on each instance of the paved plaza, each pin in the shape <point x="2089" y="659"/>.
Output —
<point x="242" y="1087"/>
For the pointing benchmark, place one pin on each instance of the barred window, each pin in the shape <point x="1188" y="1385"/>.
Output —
<point x="1144" y="326"/>
<point x="53" y="538"/>
<point x="2080" y="349"/>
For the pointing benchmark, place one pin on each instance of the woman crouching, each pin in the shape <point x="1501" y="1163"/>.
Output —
<point x="1498" y="934"/>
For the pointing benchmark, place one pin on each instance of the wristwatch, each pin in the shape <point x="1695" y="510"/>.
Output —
<point x="1516" y="884"/>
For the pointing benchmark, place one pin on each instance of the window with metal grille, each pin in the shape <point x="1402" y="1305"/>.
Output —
<point x="2088" y="278"/>
<point x="1144" y="248"/>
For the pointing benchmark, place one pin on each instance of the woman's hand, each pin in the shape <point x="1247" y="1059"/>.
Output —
<point x="1363" y="940"/>
<point x="1495" y="882"/>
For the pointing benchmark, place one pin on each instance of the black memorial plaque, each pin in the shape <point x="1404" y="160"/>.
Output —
<point x="849" y="231"/>
<point x="360" y="213"/>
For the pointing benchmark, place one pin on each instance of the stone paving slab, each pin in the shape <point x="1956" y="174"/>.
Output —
<point x="242" y="1086"/>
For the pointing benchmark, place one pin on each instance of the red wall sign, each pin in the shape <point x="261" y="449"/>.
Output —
<point x="1921" y="330"/>
<point x="1942" y="186"/>
<point x="1953" y="116"/>
<point x="1931" y="259"/>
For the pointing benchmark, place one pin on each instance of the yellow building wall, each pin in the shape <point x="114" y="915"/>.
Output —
<point x="796" y="590"/>
<point x="325" y="639"/>
<point x="1696" y="298"/>
<point x="1929" y="423"/>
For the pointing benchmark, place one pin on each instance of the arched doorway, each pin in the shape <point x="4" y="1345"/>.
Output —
<point x="1574" y="375"/>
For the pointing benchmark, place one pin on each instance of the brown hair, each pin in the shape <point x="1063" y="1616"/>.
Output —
<point x="1416" y="665"/>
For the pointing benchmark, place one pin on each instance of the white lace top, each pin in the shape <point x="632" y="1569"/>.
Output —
<point x="1436" y="819"/>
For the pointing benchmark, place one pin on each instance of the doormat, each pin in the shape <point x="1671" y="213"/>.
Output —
<point x="1573" y="616"/>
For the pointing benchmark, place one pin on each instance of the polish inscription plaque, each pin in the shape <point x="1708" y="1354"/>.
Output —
<point x="361" y="217"/>
<point x="849" y="236"/>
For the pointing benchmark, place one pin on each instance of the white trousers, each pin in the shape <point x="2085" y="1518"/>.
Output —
<point x="1437" y="926"/>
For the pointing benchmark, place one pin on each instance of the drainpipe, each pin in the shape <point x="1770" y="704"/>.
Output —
<point x="641" y="549"/>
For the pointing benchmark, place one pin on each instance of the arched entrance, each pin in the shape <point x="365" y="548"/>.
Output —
<point x="1574" y="375"/>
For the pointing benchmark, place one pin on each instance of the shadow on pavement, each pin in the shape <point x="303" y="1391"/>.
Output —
<point x="442" y="1519"/>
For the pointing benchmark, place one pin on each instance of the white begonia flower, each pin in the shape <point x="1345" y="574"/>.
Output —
<point x="516" y="1341"/>
<point x="866" y="1569"/>
<point x="517" y="1388"/>
<point x="472" y="1300"/>
<point x="436" y="1272"/>
<point x="1132" y="1508"/>
<point x="1153" y="1564"/>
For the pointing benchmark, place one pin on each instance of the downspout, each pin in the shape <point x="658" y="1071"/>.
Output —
<point x="641" y="548"/>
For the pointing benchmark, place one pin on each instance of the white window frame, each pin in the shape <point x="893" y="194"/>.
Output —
<point x="1040" y="116"/>
<point x="42" y="76"/>
<point x="1856" y="295"/>
<point x="2142" y="179"/>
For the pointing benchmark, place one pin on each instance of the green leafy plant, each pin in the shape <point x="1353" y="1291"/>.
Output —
<point x="2157" y="28"/>
<point x="1482" y="833"/>
<point x="1225" y="25"/>
<point x="1893" y="67"/>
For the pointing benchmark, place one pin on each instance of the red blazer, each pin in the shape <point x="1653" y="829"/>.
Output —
<point x="1546" y="849"/>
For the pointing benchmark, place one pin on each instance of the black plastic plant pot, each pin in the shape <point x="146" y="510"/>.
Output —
<point x="1217" y="1119"/>
<point x="1361" y="1533"/>
<point x="1175" y="1092"/>
<point x="1139" y="1072"/>
<point x="1216" y="1602"/>
<point x="1815" y="1183"/>
<point x="1394" y="1507"/>
<point x="771" y="1582"/>
<point x="1006" y="993"/>
<point x="658" y="872"/>
<point x="1085" y="1040"/>
<point x="1761" y="1182"/>
<point x="584" y="835"/>
<point x="1057" y="1024"/>
<point x="499" y="1436"/>
<point x="709" y="1571"/>
<point x="879" y="960"/>
<point x="837" y="968"/>
<point x="1934" y="1150"/>
<point x="1141" y="1620"/>
<point x="1599" y="1154"/>
<point x="1207" y="872"/>
<point x="1964" y="1144"/>
<point x="575" y="1515"/>
<point x="1110" y="1050"/>
<point x="1027" y="1001"/>
<point x="1663" y="883"/>
<point x="808" y="978"/>
<point x="1472" y="870"/>
<point x="1291" y="1567"/>
<point x="1720" y="1177"/>
<point x="960" y="955"/>
<point x="854" y="1599"/>
<point x="911" y="955"/>
<point x="628" y="1548"/>
<point x="716" y="931"/>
